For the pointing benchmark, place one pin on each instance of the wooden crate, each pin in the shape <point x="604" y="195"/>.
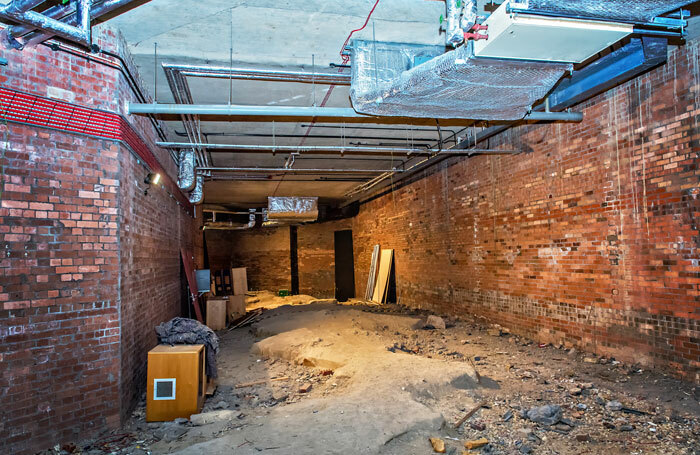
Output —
<point x="176" y="382"/>
<point x="216" y="313"/>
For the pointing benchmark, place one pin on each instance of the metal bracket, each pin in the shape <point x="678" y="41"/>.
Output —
<point x="21" y="11"/>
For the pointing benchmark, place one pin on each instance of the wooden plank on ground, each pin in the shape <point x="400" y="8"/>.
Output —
<point x="380" y="289"/>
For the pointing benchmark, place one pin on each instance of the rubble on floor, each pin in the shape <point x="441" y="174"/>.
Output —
<point x="346" y="378"/>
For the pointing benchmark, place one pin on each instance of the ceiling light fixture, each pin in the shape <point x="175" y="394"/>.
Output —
<point x="152" y="178"/>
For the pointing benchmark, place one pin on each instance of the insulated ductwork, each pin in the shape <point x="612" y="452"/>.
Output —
<point x="469" y="15"/>
<point x="452" y="85"/>
<point x="453" y="34"/>
<point x="461" y="16"/>
<point x="186" y="176"/>
<point x="197" y="194"/>
<point x="229" y="226"/>
<point x="296" y="209"/>
<point x="634" y="11"/>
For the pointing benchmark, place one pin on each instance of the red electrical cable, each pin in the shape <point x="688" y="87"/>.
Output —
<point x="345" y="58"/>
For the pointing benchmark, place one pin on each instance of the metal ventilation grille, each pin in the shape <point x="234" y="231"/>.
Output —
<point x="615" y="10"/>
<point x="164" y="389"/>
<point x="452" y="85"/>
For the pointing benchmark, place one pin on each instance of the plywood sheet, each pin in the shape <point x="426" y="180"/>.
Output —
<point x="380" y="288"/>
<point x="240" y="281"/>
<point x="216" y="314"/>
<point x="236" y="306"/>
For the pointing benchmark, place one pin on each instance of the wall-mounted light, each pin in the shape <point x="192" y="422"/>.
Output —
<point x="153" y="178"/>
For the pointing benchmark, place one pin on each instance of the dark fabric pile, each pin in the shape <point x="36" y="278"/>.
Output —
<point x="190" y="331"/>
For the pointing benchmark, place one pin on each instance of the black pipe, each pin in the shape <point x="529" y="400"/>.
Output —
<point x="123" y="68"/>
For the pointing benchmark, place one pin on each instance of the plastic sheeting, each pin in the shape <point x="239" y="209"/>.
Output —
<point x="639" y="11"/>
<point x="292" y="208"/>
<point x="452" y="85"/>
<point x="185" y="175"/>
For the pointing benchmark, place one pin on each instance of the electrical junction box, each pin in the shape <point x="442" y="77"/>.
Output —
<point x="176" y="382"/>
<point x="542" y="38"/>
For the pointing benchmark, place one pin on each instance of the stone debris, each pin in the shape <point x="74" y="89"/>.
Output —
<point x="475" y="444"/>
<point x="213" y="416"/>
<point x="434" y="322"/>
<point x="546" y="415"/>
<point x="613" y="406"/>
<point x="438" y="445"/>
<point x="306" y="388"/>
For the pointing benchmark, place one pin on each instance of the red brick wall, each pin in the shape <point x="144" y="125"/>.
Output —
<point x="219" y="248"/>
<point x="316" y="253"/>
<point x="590" y="239"/>
<point x="73" y="221"/>
<point x="59" y="275"/>
<point x="265" y="253"/>
<point x="152" y="229"/>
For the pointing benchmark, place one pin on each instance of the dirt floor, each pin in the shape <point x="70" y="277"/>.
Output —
<point x="361" y="379"/>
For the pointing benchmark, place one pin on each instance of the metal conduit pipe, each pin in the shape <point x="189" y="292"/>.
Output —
<point x="259" y="74"/>
<point x="298" y="170"/>
<point x="291" y="112"/>
<point x="246" y="148"/>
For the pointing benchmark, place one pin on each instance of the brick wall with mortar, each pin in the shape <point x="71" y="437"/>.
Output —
<point x="316" y="253"/>
<point x="72" y="337"/>
<point x="590" y="238"/>
<point x="265" y="254"/>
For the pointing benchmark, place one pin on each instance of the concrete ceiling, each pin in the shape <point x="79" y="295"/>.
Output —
<point x="277" y="34"/>
<point x="286" y="34"/>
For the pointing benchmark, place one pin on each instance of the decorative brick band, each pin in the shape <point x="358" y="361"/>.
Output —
<point x="20" y="107"/>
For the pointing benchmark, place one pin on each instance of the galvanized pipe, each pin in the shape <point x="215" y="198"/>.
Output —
<point x="292" y="112"/>
<point x="295" y="170"/>
<point x="246" y="148"/>
<point x="20" y="6"/>
<point x="80" y="34"/>
<point x="222" y="72"/>
<point x="67" y="14"/>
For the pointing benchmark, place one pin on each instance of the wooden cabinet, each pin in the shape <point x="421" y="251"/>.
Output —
<point x="176" y="382"/>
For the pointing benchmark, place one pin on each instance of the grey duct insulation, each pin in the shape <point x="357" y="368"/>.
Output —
<point x="389" y="80"/>
<point x="635" y="11"/>
<point x="186" y="170"/>
<point x="461" y="16"/>
<point x="221" y="225"/>
<point x="453" y="34"/>
<point x="297" y="209"/>
<point x="197" y="194"/>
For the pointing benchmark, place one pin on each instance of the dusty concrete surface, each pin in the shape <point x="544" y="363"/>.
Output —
<point x="371" y="380"/>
